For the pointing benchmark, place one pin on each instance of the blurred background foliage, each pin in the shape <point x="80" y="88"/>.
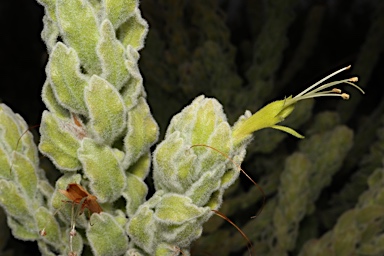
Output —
<point x="247" y="53"/>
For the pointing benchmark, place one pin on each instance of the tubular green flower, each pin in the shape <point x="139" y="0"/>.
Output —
<point x="275" y="112"/>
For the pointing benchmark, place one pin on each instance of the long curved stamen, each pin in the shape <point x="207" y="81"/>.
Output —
<point x="322" y="80"/>
<point x="318" y="92"/>
<point x="325" y="86"/>
<point x="342" y="95"/>
<point x="345" y="81"/>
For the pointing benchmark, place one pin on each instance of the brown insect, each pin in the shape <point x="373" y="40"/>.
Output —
<point x="78" y="195"/>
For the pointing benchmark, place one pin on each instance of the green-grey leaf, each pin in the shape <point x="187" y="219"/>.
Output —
<point x="13" y="201"/>
<point x="45" y="220"/>
<point x="103" y="170"/>
<point x="51" y="102"/>
<point x="79" y="28"/>
<point x="142" y="229"/>
<point x="50" y="32"/>
<point x="25" y="173"/>
<point x="177" y="209"/>
<point x="118" y="11"/>
<point x="105" y="236"/>
<point x="25" y="231"/>
<point x="59" y="141"/>
<point x="142" y="132"/>
<point x="5" y="164"/>
<point x="106" y="110"/>
<point x="133" y="31"/>
<point x="141" y="167"/>
<point x="63" y="71"/>
<point x="201" y="190"/>
<point x="50" y="7"/>
<point x="111" y="53"/>
<point x="10" y="129"/>
<point x="134" y="193"/>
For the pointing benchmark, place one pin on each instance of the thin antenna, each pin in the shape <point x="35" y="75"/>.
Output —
<point x="238" y="166"/>
<point x="18" y="141"/>
<point x="249" y="244"/>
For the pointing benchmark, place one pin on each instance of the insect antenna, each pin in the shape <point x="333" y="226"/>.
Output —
<point x="239" y="167"/>
<point x="18" y="141"/>
<point x="249" y="244"/>
<point x="72" y="232"/>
